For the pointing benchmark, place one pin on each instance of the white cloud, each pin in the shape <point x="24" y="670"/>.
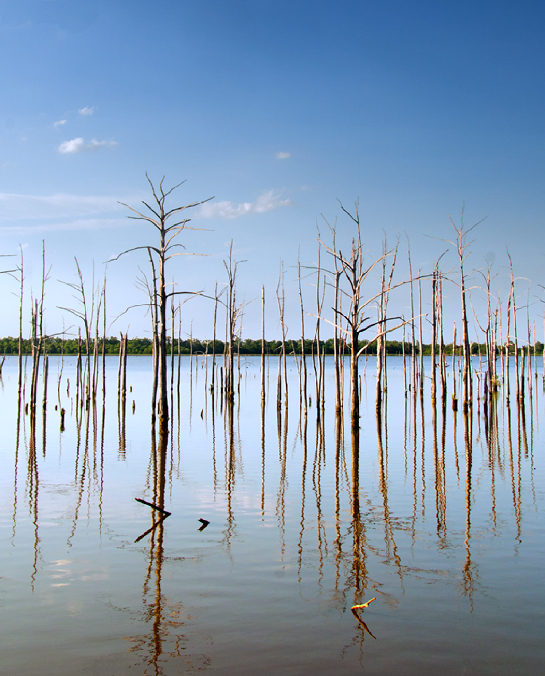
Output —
<point x="15" y="207"/>
<point x="87" y="110"/>
<point x="282" y="155"/>
<point x="78" y="145"/>
<point x="265" y="202"/>
<point x="60" y="123"/>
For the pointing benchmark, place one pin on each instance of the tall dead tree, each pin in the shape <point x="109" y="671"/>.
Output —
<point x="233" y="315"/>
<point x="413" y="340"/>
<point x="382" y="306"/>
<point x="355" y="272"/>
<point x="38" y="336"/>
<point x="513" y="304"/>
<point x="437" y="330"/>
<point x="461" y="245"/>
<point x="489" y="330"/>
<point x="86" y="314"/>
<point x="303" y="354"/>
<point x="263" y="343"/>
<point x="162" y="253"/>
<point x="281" y="301"/>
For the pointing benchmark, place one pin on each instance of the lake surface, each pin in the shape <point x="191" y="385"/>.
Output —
<point x="449" y="537"/>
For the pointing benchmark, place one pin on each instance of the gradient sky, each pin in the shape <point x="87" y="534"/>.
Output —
<point x="279" y="110"/>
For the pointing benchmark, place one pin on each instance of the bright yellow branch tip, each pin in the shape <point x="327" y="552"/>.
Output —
<point x="364" y="605"/>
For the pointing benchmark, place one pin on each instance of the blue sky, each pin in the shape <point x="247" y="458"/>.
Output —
<point x="278" y="110"/>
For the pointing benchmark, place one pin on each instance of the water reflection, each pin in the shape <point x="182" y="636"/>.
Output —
<point x="354" y="526"/>
<point x="439" y="466"/>
<point x="392" y="551"/>
<point x="167" y="640"/>
<point x="32" y="487"/>
<point x="230" y="472"/>
<point x="470" y="572"/>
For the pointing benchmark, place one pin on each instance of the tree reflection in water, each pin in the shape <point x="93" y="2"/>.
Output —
<point x="164" y="646"/>
<point x="340" y="518"/>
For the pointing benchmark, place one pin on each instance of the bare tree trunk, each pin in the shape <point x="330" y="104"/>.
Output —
<point x="263" y="343"/>
<point x="303" y="354"/>
<point x="507" y="384"/>
<point x="454" y="398"/>
<point x="104" y="339"/>
<point x="38" y="334"/>
<point x="179" y="359"/>
<point x="434" y="335"/>
<point x="354" y="380"/>
<point x="154" y="338"/>
<point x="280" y="298"/>
<point x="20" y="365"/>
<point x="162" y="408"/>
<point x="520" y="385"/>
<point x="214" y="343"/>
<point x="421" y="346"/>
<point x="233" y="314"/>
<point x="442" y="357"/>
<point x="461" y="246"/>
<point x="413" y="341"/>
<point x="172" y="333"/>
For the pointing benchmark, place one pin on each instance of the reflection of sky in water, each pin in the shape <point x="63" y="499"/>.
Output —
<point x="448" y="539"/>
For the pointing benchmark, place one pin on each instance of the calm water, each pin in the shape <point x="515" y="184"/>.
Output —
<point x="449" y="537"/>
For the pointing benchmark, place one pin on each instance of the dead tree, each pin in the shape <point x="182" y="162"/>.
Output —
<point x="162" y="253"/>
<point x="461" y="246"/>
<point x="86" y="314"/>
<point x="437" y="330"/>
<point x="382" y="305"/>
<point x="355" y="272"/>
<point x="38" y="337"/>
<point x="234" y="311"/>
<point x="513" y="304"/>
<point x="303" y="355"/>
<point x="336" y="306"/>
<point x="281" y="299"/>
<point x="413" y="340"/>
<point x="489" y="330"/>
<point x="263" y="344"/>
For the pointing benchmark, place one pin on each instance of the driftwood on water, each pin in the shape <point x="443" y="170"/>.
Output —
<point x="354" y="610"/>
<point x="150" y="504"/>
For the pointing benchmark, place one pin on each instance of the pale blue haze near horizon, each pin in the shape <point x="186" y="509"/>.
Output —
<point x="278" y="110"/>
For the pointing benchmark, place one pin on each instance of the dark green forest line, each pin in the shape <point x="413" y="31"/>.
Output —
<point x="143" y="346"/>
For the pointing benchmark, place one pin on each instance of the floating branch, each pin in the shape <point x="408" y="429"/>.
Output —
<point x="149" y="504"/>
<point x="354" y="610"/>
<point x="204" y="523"/>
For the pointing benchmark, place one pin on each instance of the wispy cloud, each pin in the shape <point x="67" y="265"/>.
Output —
<point x="78" y="145"/>
<point x="78" y="224"/>
<point x="59" y="123"/>
<point x="268" y="201"/>
<point x="282" y="155"/>
<point x="15" y="207"/>
<point x="88" y="110"/>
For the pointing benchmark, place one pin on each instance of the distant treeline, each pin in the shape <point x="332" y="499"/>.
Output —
<point x="69" y="346"/>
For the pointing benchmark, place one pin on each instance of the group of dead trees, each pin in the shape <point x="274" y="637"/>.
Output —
<point x="360" y="310"/>
<point x="357" y="313"/>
